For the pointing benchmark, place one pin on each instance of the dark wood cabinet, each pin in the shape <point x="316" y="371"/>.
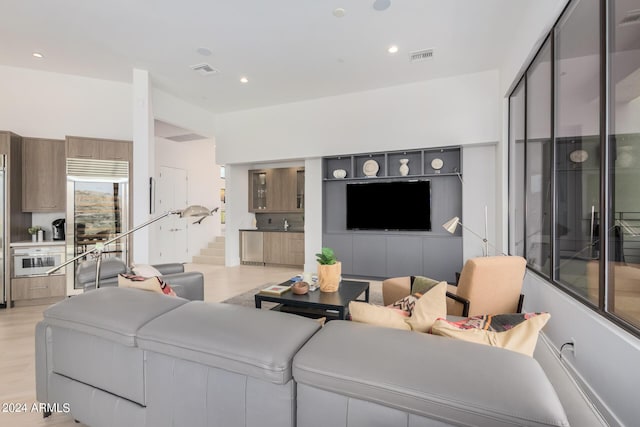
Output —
<point x="43" y="175"/>
<point x="276" y="190"/>
<point x="99" y="149"/>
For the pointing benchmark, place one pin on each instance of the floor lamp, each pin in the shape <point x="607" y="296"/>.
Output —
<point x="453" y="223"/>
<point x="190" y="211"/>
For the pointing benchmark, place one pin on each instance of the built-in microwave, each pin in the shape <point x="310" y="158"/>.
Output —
<point x="36" y="261"/>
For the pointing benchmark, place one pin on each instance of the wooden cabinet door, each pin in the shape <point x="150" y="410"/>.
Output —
<point x="274" y="248"/>
<point x="294" y="249"/>
<point x="37" y="287"/>
<point x="284" y="190"/>
<point x="116" y="150"/>
<point x="43" y="175"/>
<point x="83" y="148"/>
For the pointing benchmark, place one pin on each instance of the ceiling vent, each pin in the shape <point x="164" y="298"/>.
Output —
<point x="185" y="138"/>
<point x="632" y="17"/>
<point x="205" y="69"/>
<point x="420" y="55"/>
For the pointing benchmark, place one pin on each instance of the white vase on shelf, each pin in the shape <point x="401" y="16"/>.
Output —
<point x="404" y="168"/>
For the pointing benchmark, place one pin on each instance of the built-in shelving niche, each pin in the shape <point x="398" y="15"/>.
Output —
<point x="380" y="254"/>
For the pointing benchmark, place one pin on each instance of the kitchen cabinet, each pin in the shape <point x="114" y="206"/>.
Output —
<point x="31" y="288"/>
<point x="99" y="149"/>
<point x="276" y="190"/>
<point x="284" y="248"/>
<point x="252" y="247"/>
<point x="272" y="247"/>
<point x="43" y="175"/>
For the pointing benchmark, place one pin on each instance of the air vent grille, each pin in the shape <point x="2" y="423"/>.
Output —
<point x="109" y="170"/>
<point x="204" y="69"/>
<point x="420" y="55"/>
<point x="632" y="17"/>
<point x="186" y="137"/>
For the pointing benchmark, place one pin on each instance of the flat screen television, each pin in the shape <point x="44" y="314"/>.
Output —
<point x="395" y="205"/>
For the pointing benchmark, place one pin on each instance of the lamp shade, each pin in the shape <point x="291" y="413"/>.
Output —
<point x="451" y="225"/>
<point x="195" y="210"/>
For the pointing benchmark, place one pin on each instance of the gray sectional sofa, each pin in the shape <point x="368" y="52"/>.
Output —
<point x="125" y="357"/>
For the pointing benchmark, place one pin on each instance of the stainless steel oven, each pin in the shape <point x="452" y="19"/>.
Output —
<point x="35" y="261"/>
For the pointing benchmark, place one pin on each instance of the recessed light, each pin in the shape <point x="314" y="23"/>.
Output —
<point x="393" y="49"/>
<point x="204" y="51"/>
<point x="37" y="55"/>
<point x="244" y="80"/>
<point x="339" y="12"/>
<point x="381" y="5"/>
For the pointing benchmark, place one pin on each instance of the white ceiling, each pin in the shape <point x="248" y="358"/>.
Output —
<point x="290" y="50"/>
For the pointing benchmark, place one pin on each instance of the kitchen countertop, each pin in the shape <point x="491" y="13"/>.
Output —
<point x="272" y="230"/>
<point x="29" y="243"/>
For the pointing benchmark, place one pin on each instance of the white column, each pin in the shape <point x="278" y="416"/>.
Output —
<point x="312" y="212"/>
<point x="143" y="164"/>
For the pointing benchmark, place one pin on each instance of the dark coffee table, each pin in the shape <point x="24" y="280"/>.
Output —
<point x="333" y="305"/>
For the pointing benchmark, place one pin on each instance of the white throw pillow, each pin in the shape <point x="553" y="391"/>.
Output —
<point x="145" y="270"/>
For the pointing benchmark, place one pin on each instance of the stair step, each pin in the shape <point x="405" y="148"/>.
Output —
<point x="208" y="259"/>
<point x="212" y="252"/>
<point x="216" y="245"/>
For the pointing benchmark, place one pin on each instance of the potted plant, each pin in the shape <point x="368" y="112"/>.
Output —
<point x="329" y="270"/>
<point x="33" y="230"/>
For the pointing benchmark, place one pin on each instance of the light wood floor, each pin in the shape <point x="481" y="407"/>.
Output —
<point x="17" y="326"/>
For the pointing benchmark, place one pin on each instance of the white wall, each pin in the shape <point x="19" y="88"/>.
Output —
<point x="435" y="113"/>
<point x="606" y="356"/>
<point x="50" y="105"/>
<point x="478" y="191"/>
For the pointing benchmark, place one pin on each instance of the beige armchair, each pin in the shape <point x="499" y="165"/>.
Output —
<point x="487" y="285"/>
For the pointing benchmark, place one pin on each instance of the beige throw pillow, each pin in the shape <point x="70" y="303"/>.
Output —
<point x="516" y="332"/>
<point x="428" y="308"/>
<point x="377" y="315"/>
<point x="145" y="270"/>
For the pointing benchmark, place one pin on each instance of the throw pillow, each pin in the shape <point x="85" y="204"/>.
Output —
<point x="154" y="284"/>
<point x="428" y="308"/>
<point x="406" y="305"/>
<point x="377" y="315"/>
<point x="516" y="332"/>
<point x="421" y="284"/>
<point x="145" y="270"/>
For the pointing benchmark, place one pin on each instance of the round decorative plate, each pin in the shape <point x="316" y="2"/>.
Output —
<point x="370" y="168"/>
<point x="339" y="173"/>
<point x="578" y="156"/>
<point x="437" y="163"/>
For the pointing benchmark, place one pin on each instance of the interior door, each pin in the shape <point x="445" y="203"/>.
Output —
<point x="172" y="231"/>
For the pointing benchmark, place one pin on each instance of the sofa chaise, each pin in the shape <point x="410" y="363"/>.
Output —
<point x="121" y="356"/>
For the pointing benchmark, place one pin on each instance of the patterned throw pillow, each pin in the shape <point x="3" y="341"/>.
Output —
<point x="406" y="304"/>
<point x="154" y="284"/>
<point x="516" y="332"/>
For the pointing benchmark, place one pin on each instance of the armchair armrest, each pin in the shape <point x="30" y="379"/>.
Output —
<point x="463" y="301"/>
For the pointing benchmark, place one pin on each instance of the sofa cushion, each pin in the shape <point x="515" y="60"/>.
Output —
<point x="257" y="343"/>
<point x="467" y="384"/>
<point x="516" y="332"/>
<point x="112" y="313"/>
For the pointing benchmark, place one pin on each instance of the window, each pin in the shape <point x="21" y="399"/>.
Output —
<point x="577" y="163"/>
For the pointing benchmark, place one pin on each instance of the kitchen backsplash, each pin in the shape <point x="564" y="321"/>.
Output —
<point x="44" y="220"/>
<point x="275" y="221"/>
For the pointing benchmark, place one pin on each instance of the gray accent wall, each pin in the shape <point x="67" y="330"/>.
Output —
<point x="381" y="254"/>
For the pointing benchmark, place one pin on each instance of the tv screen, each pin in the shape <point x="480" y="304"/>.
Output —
<point x="396" y="205"/>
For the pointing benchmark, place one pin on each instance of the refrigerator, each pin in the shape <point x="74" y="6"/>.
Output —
<point x="97" y="210"/>
<point x="4" y="283"/>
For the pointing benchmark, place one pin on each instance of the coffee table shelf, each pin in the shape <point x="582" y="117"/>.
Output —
<point x="333" y="305"/>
